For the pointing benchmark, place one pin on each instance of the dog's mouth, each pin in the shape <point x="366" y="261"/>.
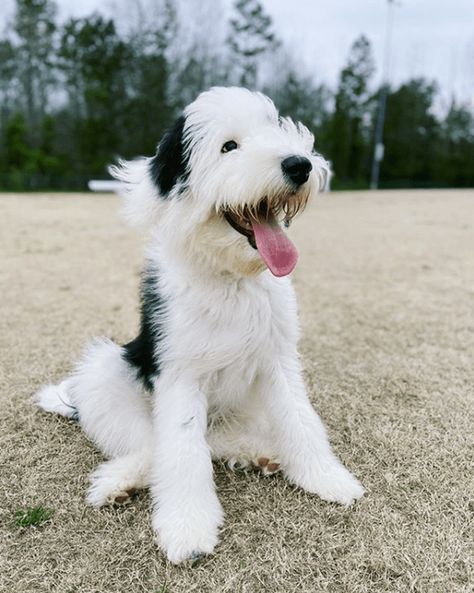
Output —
<point x="260" y="224"/>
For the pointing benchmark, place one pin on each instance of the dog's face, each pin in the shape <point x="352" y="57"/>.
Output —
<point x="226" y="179"/>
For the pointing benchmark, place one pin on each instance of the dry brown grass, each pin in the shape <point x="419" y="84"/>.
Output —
<point x="386" y="289"/>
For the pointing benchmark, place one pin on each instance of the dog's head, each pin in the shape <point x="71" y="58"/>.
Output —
<point x="226" y="178"/>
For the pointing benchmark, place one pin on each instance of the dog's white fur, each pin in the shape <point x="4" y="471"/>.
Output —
<point x="230" y="384"/>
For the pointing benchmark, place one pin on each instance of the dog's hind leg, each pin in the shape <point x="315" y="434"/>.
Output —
<point x="114" y="411"/>
<point x="57" y="399"/>
<point x="113" y="407"/>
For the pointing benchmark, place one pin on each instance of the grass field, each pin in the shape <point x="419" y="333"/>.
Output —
<point x="386" y="292"/>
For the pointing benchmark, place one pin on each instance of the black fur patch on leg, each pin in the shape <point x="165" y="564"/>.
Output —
<point x="170" y="163"/>
<point x="141" y="353"/>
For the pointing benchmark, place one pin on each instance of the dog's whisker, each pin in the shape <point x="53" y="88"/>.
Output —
<point x="282" y="206"/>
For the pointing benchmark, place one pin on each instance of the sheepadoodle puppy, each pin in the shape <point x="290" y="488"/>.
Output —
<point x="214" y="371"/>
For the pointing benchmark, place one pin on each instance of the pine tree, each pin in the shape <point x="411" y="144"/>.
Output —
<point x="412" y="135"/>
<point x="349" y="130"/>
<point x="251" y="36"/>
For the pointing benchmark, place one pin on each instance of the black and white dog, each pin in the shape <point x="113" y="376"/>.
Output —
<point x="214" y="371"/>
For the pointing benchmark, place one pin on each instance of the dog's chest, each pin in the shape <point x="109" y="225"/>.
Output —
<point x="238" y="328"/>
<point x="227" y="338"/>
<point x="242" y="343"/>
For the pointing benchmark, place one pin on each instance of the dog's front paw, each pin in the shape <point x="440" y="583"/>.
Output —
<point x="109" y="485"/>
<point x="334" y="484"/>
<point x="339" y="485"/>
<point x="187" y="536"/>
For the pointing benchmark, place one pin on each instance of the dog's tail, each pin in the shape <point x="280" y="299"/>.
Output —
<point x="57" y="399"/>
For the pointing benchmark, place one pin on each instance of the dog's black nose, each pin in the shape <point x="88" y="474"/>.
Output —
<point x="296" y="168"/>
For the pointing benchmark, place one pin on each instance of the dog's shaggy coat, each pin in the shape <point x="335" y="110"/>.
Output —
<point x="214" y="371"/>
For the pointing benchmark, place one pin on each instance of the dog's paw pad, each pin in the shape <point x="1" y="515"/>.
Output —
<point x="236" y="464"/>
<point x="273" y="467"/>
<point x="267" y="466"/>
<point x="196" y="557"/>
<point x="124" y="497"/>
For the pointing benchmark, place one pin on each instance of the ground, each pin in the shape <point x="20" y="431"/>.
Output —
<point x="386" y="291"/>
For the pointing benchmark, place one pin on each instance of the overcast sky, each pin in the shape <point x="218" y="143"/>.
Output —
<point x="432" y="38"/>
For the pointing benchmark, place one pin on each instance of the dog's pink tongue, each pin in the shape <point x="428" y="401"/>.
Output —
<point x="277" y="251"/>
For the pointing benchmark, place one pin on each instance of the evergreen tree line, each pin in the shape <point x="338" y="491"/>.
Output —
<point x="76" y="95"/>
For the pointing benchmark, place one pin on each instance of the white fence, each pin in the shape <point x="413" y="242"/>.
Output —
<point x="104" y="185"/>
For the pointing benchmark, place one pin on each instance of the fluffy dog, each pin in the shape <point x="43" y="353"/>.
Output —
<point x="214" y="371"/>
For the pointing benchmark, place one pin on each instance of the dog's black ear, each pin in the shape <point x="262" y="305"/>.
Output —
<point x="170" y="161"/>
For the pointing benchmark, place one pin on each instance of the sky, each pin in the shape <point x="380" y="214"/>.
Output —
<point x="431" y="38"/>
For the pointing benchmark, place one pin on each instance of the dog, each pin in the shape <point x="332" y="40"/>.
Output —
<point x="214" y="372"/>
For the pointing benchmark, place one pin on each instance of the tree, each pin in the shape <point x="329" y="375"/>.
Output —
<point x="34" y="46"/>
<point x="296" y="94"/>
<point x="349" y="130"/>
<point x="196" y="60"/>
<point x="19" y="160"/>
<point x="94" y="60"/>
<point x="457" y="166"/>
<point x="251" y="36"/>
<point x="119" y="89"/>
<point x="412" y="135"/>
<point x="196" y="71"/>
<point x="17" y="152"/>
<point x="8" y="90"/>
<point x="148" y="110"/>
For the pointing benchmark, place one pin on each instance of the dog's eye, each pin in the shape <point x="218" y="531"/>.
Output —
<point x="228" y="146"/>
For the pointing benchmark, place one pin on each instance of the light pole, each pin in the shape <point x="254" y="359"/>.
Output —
<point x="382" y="103"/>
